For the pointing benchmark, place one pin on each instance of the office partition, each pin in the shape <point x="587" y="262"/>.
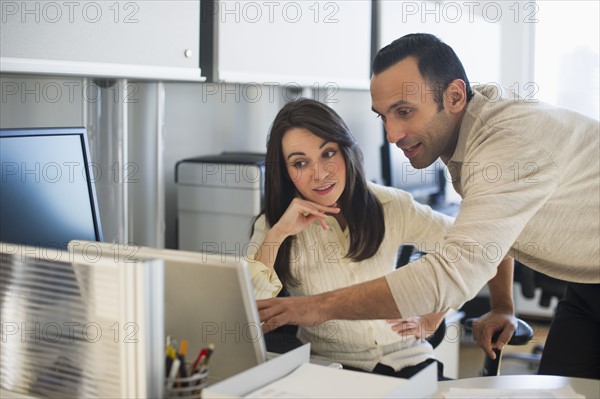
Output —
<point x="88" y="325"/>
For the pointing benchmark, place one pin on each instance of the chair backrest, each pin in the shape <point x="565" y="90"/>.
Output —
<point x="530" y="279"/>
<point x="438" y="336"/>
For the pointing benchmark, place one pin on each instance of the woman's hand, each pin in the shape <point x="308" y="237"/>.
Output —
<point x="296" y="218"/>
<point x="299" y="215"/>
<point x="419" y="326"/>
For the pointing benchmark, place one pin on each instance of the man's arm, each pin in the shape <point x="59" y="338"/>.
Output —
<point x="501" y="298"/>
<point x="501" y="317"/>
<point x="369" y="300"/>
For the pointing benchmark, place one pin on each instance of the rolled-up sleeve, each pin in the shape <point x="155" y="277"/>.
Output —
<point x="265" y="282"/>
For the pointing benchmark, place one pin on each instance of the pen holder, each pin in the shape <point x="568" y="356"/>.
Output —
<point x="186" y="387"/>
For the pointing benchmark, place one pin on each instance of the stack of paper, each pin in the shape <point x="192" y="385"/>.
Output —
<point x="314" y="381"/>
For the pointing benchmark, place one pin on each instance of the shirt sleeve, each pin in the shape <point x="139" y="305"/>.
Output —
<point x="420" y="226"/>
<point x="265" y="282"/>
<point x="500" y="196"/>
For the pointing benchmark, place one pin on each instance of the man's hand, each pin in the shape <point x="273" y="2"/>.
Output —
<point x="365" y="301"/>
<point x="485" y="327"/>
<point x="300" y="311"/>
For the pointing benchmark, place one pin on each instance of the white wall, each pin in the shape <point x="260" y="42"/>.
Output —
<point x="32" y="101"/>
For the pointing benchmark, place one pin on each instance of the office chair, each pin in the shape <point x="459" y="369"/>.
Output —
<point x="530" y="280"/>
<point x="522" y="335"/>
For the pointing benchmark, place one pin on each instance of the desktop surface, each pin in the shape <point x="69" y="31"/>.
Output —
<point x="587" y="387"/>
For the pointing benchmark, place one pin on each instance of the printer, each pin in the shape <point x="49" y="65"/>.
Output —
<point x="217" y="198"/>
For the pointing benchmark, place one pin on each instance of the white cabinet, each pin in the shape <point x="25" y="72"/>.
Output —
<point x="157" y="39"/>
<point x="310" y="43"/>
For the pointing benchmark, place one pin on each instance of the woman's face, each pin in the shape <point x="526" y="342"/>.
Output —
<point x="315" y="166"/>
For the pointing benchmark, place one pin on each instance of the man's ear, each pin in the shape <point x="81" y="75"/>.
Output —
<point x="455" y="96"/>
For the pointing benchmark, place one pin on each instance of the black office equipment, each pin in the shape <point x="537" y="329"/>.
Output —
<point x="47" y="195"/>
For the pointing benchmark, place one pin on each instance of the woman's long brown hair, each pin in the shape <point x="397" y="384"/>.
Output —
<point x="358" y="204"/>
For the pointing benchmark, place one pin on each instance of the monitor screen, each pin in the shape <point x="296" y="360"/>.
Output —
<point x="47" y="195"/>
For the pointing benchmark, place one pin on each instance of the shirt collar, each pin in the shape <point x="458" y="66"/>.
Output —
<point x="468" y="121"/>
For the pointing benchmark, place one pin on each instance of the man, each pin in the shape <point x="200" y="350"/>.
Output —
<point x="529" y="175"/>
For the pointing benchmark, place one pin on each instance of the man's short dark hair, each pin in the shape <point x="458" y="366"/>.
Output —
<point x="438" y="63"/>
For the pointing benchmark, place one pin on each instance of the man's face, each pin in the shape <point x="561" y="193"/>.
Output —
<point x="407" y="106"/>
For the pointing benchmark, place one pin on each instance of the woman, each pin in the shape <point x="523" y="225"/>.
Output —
<point x="324" y="227"/>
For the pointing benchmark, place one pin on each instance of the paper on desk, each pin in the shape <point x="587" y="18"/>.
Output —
<point x="314" y="381"/>
<point x="489" y="393"/>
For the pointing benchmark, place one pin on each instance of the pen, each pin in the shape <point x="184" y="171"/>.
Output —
<point x="168" y="363"/>
<point x="173" y="373"/>
<point x="209" y="352"/>
<point x="181" y="357"/>
<point x="199" y="359"/>
<point x="170" y="357"/>
<point x="183" y="347"/>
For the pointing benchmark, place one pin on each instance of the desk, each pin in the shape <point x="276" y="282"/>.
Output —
<point x="588" y="388"/>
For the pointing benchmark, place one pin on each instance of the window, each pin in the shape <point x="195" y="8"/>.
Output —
<point x="566" y="55"/>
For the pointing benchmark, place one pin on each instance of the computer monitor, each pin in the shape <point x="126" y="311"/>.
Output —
<point x="47" y="195"/>
<point x="208" y="299"/>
